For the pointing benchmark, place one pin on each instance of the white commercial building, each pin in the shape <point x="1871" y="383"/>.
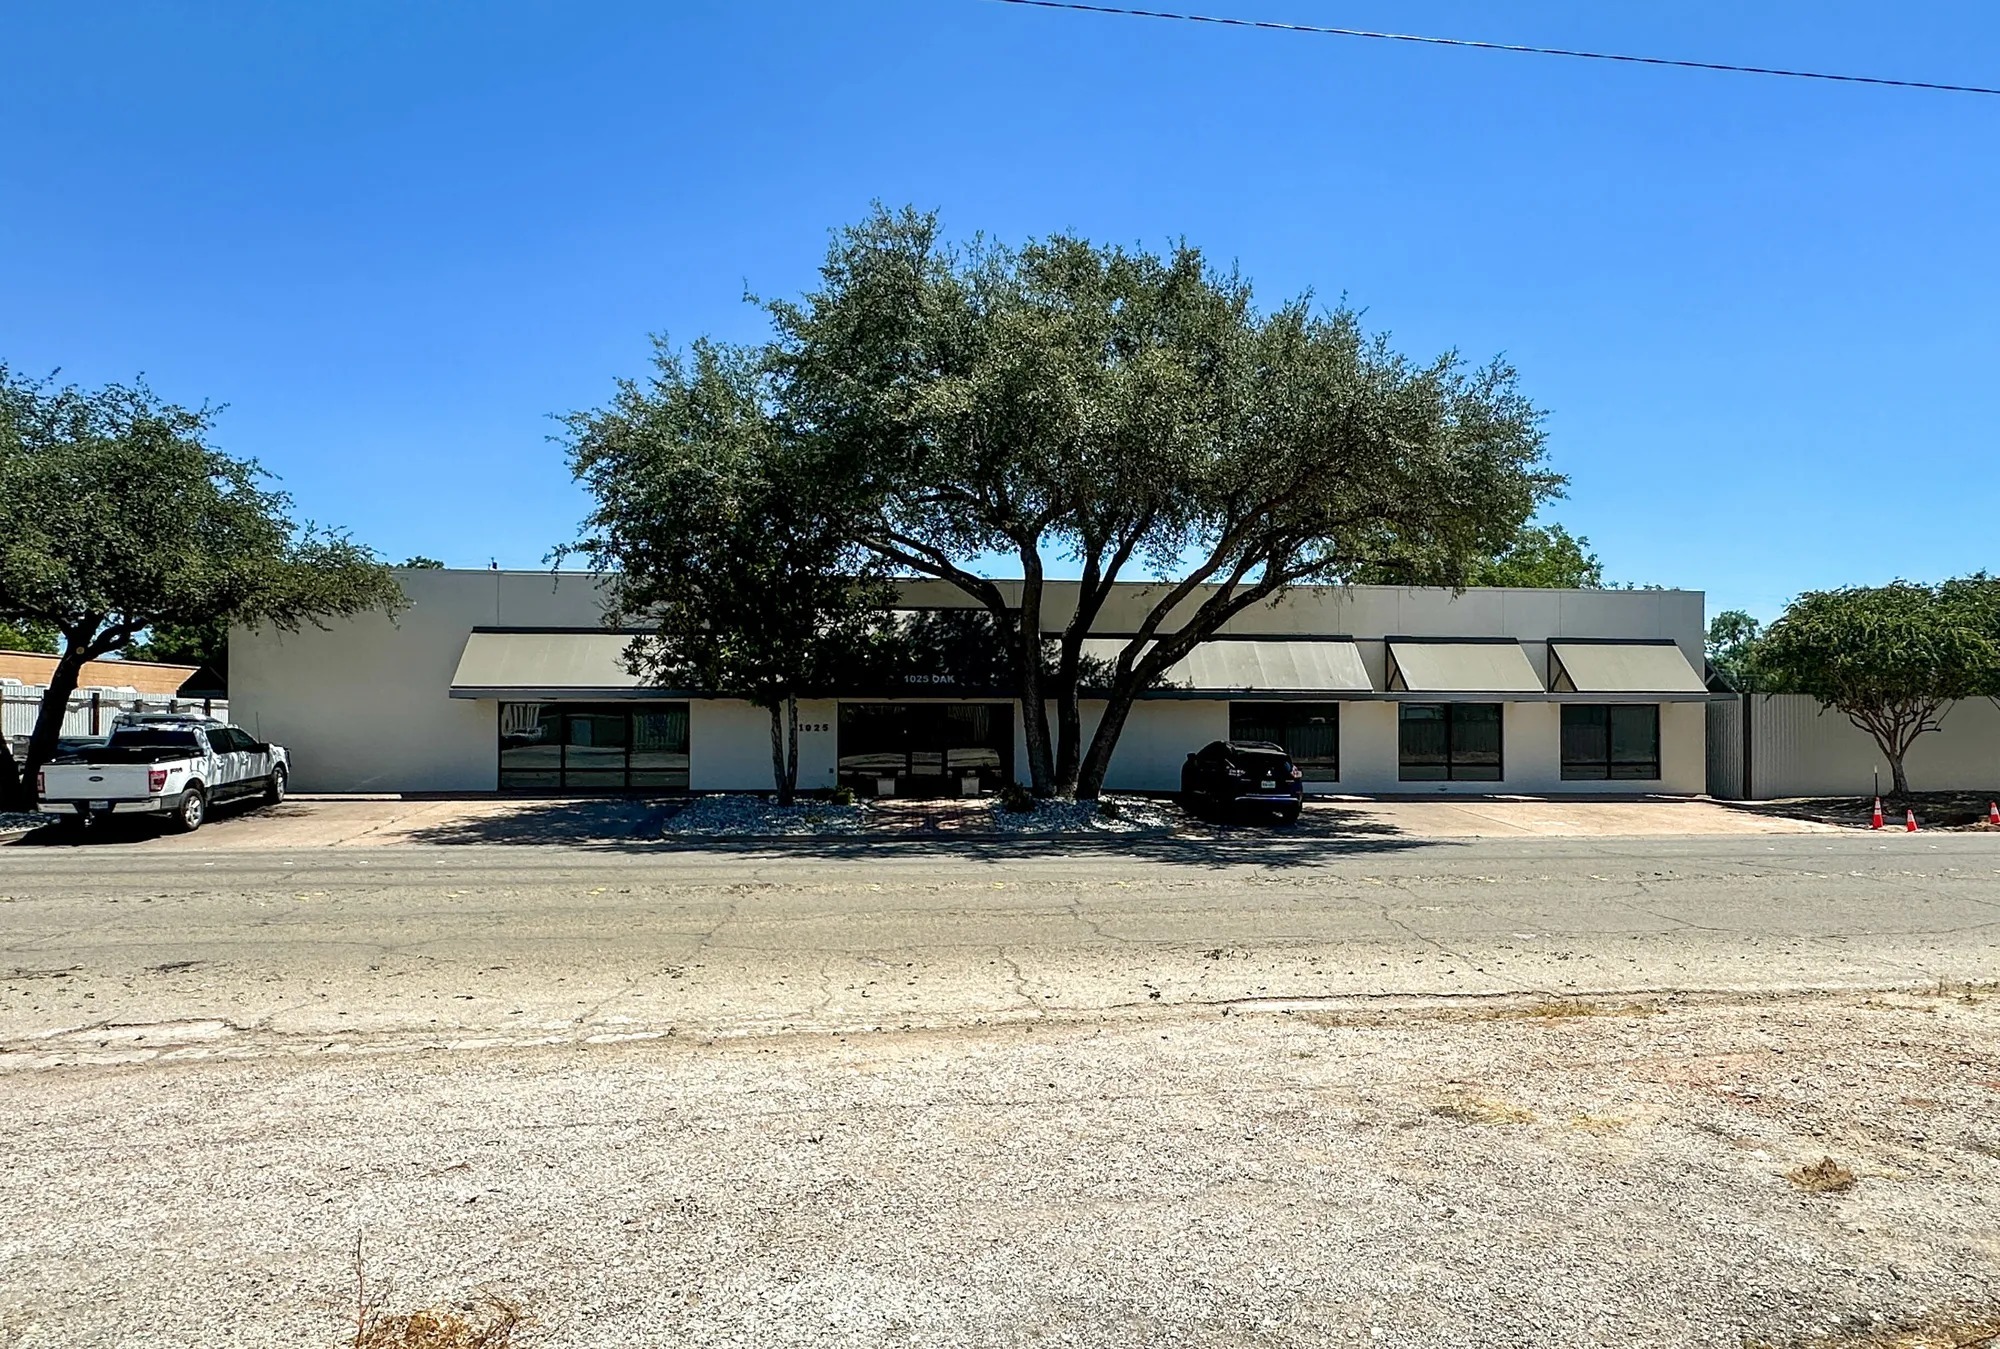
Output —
<point x="504" y="680"/>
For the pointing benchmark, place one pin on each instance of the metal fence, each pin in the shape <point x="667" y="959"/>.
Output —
<point x="1769" y="746"/>
<point x="90" y="711"/>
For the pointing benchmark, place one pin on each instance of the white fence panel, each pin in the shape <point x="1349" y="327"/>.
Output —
<point x="88" y="714"/>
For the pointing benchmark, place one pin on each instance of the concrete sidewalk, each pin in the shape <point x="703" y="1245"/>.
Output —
<point x="389" y="820"/>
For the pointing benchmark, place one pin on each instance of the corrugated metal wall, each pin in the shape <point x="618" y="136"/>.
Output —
<point x="1725" y="749"/>
<point x="1794" y="748"/>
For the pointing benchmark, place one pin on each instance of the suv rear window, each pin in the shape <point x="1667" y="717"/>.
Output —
<point x="149" y="737"/>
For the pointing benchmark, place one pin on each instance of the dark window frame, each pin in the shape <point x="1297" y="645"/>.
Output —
<point x="599" y="774"/>
<point x="1317" y="768"/>
<point x="1578" y="769"/>
<point x="1451" y="764"/>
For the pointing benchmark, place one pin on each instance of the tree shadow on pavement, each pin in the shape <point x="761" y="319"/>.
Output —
<point x="1934" y="810"/>
<point x="639" y="827"/>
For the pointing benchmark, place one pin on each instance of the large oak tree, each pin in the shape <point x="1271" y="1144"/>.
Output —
<point x="118" y="518"/>
<point x="1116" y="412"/>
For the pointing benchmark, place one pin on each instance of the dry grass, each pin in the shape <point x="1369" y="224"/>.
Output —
<point x="1825" y="1176"/>
<point x="1980" y="1331"/>
<point x="1599" y="1124"/>
<point x="1564" y="1009"/>
<point x="490" y="1321"/>
<point x="1483" y="1110"/>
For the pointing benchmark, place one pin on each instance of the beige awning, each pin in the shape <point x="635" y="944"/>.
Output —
<point x="543" y="665"/>
<point x="1621" y="667"/>
<point x="1243" y="665"/>
<point x="1461" y="667"/>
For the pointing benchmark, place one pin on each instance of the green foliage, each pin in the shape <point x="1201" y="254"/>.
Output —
<point x="117" y="517"/>
<point x="1127" y="409"/>
<point x="184" y="644"/>
<point x="720" y="538"/>
<point x="421" y="563"/>
<point x="1890" y="658"/>
<point x="1732" y="648"/>
<point x="1542" y="557"/>
<point x="1016" y="799"/>
<point x="28" y="635"/>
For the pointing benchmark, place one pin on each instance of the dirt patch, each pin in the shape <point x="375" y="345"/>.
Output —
<point x="1953" y="811"/>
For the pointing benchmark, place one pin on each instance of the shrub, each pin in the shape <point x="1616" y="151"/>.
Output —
<point x="1016" y="798"/>
<point x="842" y="796"/>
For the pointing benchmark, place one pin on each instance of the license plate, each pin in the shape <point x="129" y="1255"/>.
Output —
<point x="100" y="805"/>
<point x="1270" y="782"/>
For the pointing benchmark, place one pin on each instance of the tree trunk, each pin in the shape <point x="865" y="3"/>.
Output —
<point x="788" y="790"/>
<point x="1117" y="707"/>
<point x="1897" y="776"/>
<point x="49" y="717"/>
<point x="1028" y="661"/>
<point x="777" y="706"/>
<point x="11" y="797"/>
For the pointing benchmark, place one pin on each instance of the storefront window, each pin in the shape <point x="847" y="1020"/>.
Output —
<point x="926" y="749"/>
<point x="1450" y="742"/>
<point x="1614" y="742"/>
<point x="594" y="747"/>
<point x="1310" y="733"/>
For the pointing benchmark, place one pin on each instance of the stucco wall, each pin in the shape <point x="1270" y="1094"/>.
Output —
<point x="364" y="705"/>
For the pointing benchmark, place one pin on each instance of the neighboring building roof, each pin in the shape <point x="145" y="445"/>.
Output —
<point x="1259" y="665"/>
<point x="1418" y="666"/>
<point x="33" y="667"/>
<point x="1621" y="667"/>
<point x="544" y="664"/>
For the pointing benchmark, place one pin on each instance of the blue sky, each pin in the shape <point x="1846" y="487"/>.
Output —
<point x="394" y="239"/>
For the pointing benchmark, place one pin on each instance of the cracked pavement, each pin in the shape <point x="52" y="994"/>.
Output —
<point x="1536" y="1092"/>
<point x="109" y="956"/>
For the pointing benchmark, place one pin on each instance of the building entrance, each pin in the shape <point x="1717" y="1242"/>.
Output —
<point x="926" y="749"/>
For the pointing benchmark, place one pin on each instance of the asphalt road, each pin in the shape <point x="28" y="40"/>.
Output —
<point x="1224" y="1094"/>
<point x="109" y="956"/>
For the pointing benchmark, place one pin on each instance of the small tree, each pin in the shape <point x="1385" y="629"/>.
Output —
<point x="720" y="540"/>
<point x="1732" y="648"/>
<point x="118" y="518"/>
<point x="1892" y="659"/>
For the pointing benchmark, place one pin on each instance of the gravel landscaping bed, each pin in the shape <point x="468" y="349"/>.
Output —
<point x="1112" y="815"/>
<point x="756" y="817"/>
<point x="16" y="824"/>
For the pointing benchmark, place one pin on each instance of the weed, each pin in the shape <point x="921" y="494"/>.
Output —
<point x="1016" y="798"/>
<point x="1825" y="1176"/>
<point x="841" y="796"/>
<point x="1599" y="1124"/>
<point x="1483" y="1110"/>
<point x="490" y="1322"/>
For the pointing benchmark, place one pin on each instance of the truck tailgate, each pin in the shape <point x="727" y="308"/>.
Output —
<point x="96" y="782"/>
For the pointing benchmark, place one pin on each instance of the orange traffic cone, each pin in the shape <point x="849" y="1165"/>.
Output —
<point x="1909" y="821"/>
<point x="1875" y="820"/>
<point x="1993" y="813"/>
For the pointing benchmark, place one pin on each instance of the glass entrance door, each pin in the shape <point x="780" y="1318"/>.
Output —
<point x="926" y="749"/>
<point x="594" y="747"/>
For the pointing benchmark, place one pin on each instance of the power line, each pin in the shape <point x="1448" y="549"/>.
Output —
<point x="1501" y="46"/>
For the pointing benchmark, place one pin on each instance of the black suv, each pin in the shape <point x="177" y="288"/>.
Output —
<point x="1232" y="774"/>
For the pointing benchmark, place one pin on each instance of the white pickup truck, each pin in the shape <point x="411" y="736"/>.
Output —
<point x="172" y="766"/>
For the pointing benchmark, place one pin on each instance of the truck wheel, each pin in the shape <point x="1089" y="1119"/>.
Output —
<point x="191" y="811"/>
<point x="274" y="789"/>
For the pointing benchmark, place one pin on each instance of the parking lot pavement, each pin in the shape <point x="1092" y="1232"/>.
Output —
<point x="364" y="821"/>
